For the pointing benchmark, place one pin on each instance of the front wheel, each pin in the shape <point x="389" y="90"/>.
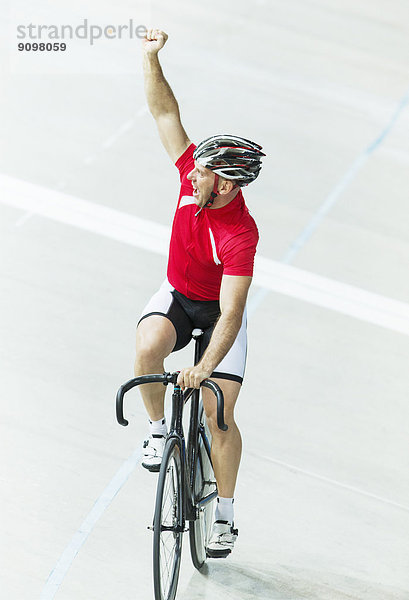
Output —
<point x="205" y="492"/>
<point x="168" y="524"/>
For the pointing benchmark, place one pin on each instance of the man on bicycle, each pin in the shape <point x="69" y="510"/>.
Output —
<point x="210" y="269"/>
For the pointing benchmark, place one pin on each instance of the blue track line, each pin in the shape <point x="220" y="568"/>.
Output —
<point x="331" y="199"/>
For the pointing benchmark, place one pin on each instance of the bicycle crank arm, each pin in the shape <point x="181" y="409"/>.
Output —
<point x="174" y="529"/>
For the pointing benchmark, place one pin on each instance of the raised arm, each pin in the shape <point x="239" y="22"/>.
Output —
<point x="161" y="101"/>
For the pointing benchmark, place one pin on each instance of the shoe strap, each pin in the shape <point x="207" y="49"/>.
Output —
<point x="232" y="530"/>
<point x="222" y="522"/>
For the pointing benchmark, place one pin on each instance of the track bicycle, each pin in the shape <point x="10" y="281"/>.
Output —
<point x="186" y="488"/>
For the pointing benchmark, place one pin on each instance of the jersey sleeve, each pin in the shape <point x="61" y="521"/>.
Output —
<point x="238" y="254"/>
<point x="185" y="163"/>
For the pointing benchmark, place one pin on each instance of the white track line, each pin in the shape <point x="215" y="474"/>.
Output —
<point x="334" y="295"/>
<point x="334" y="482"/>
<point x="154" y="237"/>
<point x="57" y="575"/>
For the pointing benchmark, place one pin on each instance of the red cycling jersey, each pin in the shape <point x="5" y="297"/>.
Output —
<point x="216" y="242"/>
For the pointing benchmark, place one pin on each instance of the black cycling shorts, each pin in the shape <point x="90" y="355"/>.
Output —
<point x="186" y="315"/>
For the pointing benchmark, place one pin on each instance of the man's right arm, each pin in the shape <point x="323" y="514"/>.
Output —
<point x="161" y="101"/>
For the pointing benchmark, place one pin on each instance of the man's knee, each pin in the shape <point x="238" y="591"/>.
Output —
<point x="155" y="340"/>
<point x="146" y="354"/>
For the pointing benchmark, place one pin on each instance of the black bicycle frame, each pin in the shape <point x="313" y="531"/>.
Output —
<point x="195" y="428"/>
<point x="179" y="399"/>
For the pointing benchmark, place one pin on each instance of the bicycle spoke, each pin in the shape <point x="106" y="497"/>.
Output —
<point x="169" y="504"/>
<point x="205" y="488"/>
<point x="167" y="560"/>
<point x="168" y="494"/>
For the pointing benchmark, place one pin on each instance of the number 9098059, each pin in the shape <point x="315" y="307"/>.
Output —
<point x="42" y="47"/>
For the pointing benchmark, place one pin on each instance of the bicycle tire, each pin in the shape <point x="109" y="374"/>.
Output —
<point x="200" y="528"/>
<point x="168" y="524"/>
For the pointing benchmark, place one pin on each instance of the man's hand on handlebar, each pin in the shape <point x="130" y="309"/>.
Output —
<point x="192" y="377"/>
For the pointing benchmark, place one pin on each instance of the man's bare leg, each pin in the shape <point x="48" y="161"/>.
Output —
<point x="155" y="340"/>
<point x="226" y="454"/>
<point x="226" y="445"/>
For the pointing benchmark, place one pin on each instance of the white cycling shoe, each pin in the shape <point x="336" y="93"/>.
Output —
<point x="153" y="451"/>
<point x="222" y="540"/>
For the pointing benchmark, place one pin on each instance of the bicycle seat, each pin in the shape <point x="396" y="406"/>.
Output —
<point x="197" y="333"/>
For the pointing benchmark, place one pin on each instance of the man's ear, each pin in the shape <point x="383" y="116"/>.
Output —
<point x="225" y="185"/>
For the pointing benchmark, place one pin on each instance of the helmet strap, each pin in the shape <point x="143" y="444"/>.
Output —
<point x="213" y="195"/>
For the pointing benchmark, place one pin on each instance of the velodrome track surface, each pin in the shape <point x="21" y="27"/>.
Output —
<point x="86" y="200"/>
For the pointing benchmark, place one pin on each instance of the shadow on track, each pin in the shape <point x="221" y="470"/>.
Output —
<point x="263" y="582"/>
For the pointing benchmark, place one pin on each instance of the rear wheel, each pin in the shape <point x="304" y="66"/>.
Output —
<point x="204" y="487"/>
<point x="168" y="524"/>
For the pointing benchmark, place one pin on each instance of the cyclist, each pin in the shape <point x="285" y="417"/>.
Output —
<point x="210" y="269"/>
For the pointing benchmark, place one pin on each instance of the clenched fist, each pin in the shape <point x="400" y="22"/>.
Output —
<point x="154" y="40"/>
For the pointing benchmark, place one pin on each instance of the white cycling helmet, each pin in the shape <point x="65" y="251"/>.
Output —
<point x="231" y="157"/>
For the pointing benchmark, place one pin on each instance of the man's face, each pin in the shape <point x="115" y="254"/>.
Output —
<point x="202" y="180"/>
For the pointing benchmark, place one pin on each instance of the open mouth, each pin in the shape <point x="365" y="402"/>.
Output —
<point x="195" y="192"/>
